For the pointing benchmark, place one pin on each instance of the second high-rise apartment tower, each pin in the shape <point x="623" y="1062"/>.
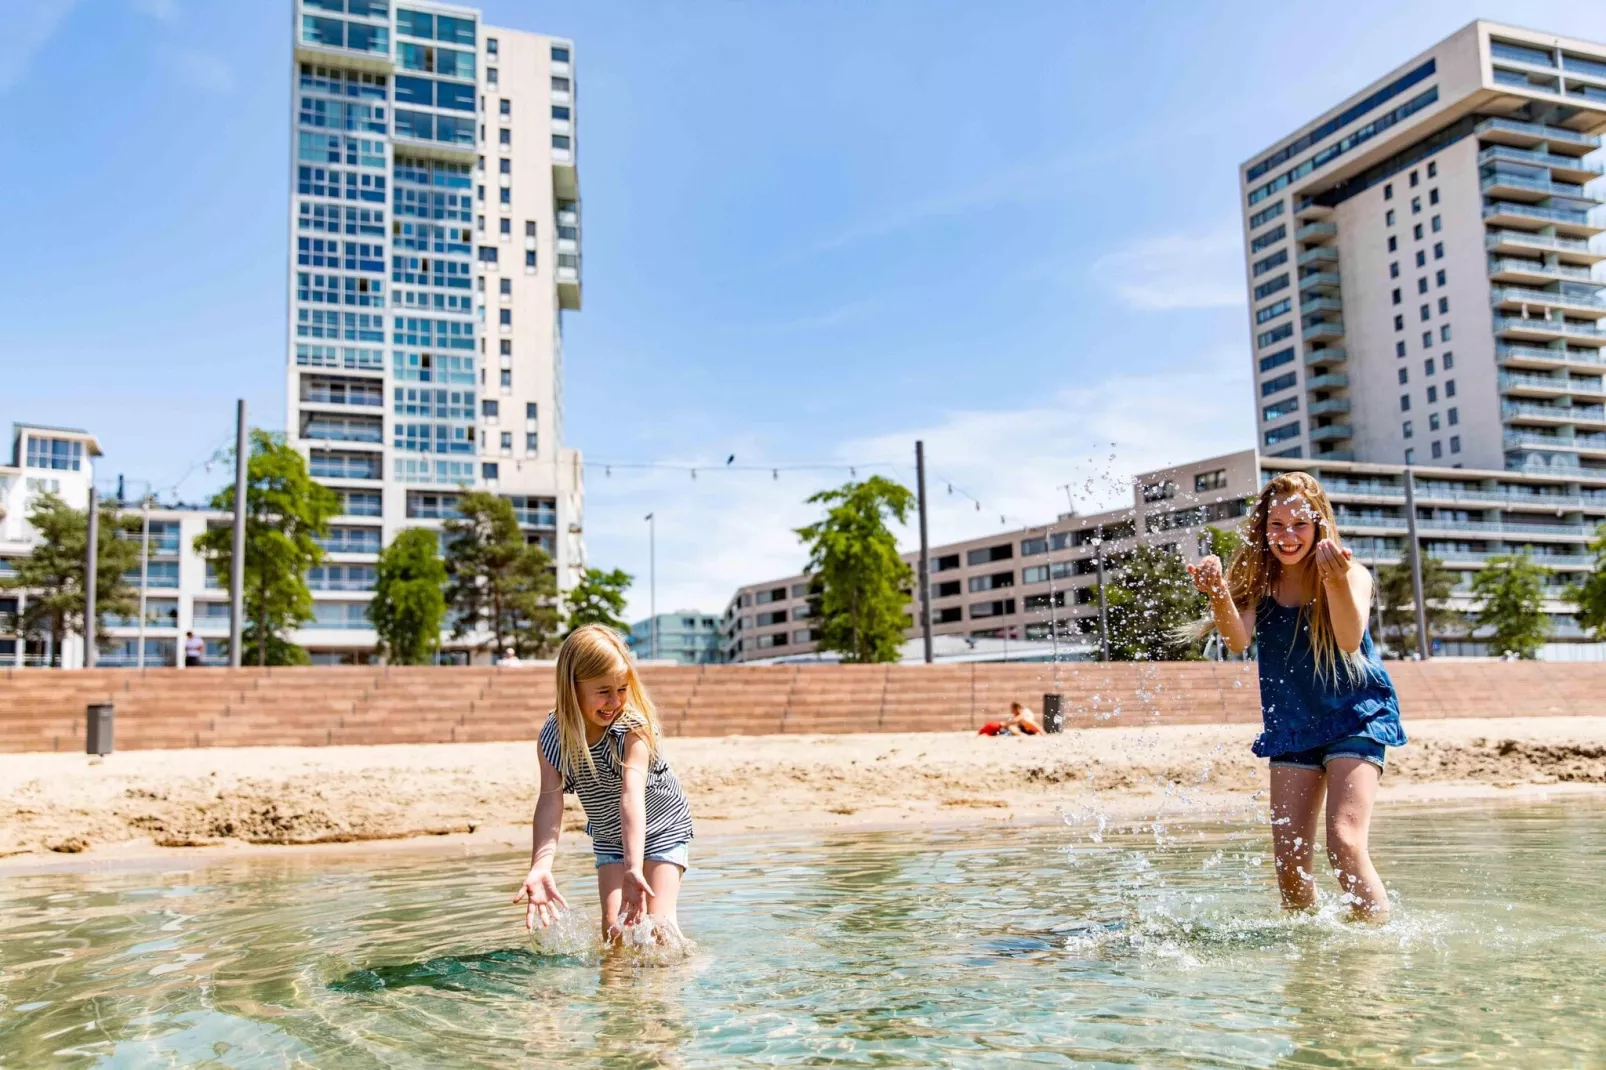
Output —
<point x="434" y="232"/>
<point x="1419" y="264"/>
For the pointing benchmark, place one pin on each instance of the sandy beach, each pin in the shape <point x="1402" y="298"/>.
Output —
<point x="74" y="809"/>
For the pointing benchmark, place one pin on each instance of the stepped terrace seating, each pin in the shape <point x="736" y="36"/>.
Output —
<point x="44" y="710"/>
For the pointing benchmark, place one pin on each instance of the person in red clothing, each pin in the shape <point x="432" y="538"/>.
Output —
<point x="1020" y="720"/>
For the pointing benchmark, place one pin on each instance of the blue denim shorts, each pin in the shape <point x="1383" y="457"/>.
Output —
<point x="680" y="855"/>
<point x="1362" y="747"/>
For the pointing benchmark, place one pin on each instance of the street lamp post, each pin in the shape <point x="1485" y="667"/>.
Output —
<point x="652" y="585"/>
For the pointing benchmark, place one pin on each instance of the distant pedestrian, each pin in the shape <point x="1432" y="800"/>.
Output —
<point x="1021" y="719"/>
<point x="193" y="649"/>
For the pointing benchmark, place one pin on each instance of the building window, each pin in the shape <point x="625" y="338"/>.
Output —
<point x="1449" y="360"/>
<point x="507" y="440"/>
<point x="506" y="106"/>
<point x="1405" y="402"/>
<point x="504" y="316"/>
<point x="1388" y="218"/>
<point x="1449" y="388"/>
<point x="1433" y="195"/>
<point x="1388" y="191"/>
<point x="1455" y="415"/>
<point x="1438" y="277"/>
<point x="561" y="142"/>
<point x="529" y="228"/>
<point x="1424" y="313"/>
<point x="1396" y="295"/>
<point x="1276" y="360"/>
<point x="1455" y="443"/>
<point x="490" y="409"/>
<point x="1413" y="178"/>
<point x="1282" y="382"/>
<point x="1393" y="243"/>
<point x="1399" y="349"/>
<point x="1433" y="419"/>
<point x="490" y="46"/>
<point x="1444" y="333"/>
<point x="507" y="379"/>
<point x="1416" y="232"/>
<point x="1444" y="306"/>
<point x="1405" y="429"/>
<point x="1410" y="455"/>
<point x="529" y="259"/>
<point x="1405" y="377"/>
<point x="505" y="166"/>
<point x="1214" y="480"/>
<point x="530" y="410"/>
<point x="504" y="136"/>
<point x="1438" y="250"/>
<point x="1399" y="323"/>
<point x="1433" y="169"/>
<point x="1422" y="285"/>
<point x="506" y="347"/>
<point x="1437" y="224"/>
<point x="489" y="470"/>
<point x="491" y="77"/>
<point x="530" y="438"/>
<point x="505" y="287"/>
<point x="560" y="54"/>
<point x="506" y="225"/>
<point x="1282" y="434"/>
<point x="1416" y="205"/>
<point x="1438" y="450"/>
<point x="1427" y="339"/>
<point x="560" y="113"/>
<point x="1427" y="366"/>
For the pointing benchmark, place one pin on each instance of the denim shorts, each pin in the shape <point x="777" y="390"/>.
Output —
<point x="680" y="855"/>
<point x="1362" y="747"/>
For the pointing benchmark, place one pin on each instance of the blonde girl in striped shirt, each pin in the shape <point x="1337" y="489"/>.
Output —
<point x="601" y="742"/>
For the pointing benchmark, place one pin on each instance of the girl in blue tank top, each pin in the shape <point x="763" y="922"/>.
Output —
<point x="1328" y="708"/>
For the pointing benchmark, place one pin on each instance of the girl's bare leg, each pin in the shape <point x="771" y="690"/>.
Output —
<point x="1351" y="791"/>
<point x="1296" y="804"/>
<point x="662" y="877"/>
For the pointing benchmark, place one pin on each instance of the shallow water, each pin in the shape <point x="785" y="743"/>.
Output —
<point x="1060" y="946"/>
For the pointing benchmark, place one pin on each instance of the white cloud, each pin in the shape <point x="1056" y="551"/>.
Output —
<point x="200" y="70"/>
<point x="28" y="29"/>
<point x="1177" y="271"/>
<point x="729" y="528"/>
<point x="160" y="10"/>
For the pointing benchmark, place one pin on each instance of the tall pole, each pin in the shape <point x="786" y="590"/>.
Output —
<point x="1377" y="607"/>
<point x="1416" y="565"/>
<point x="1053" y="622"/>
<point x="237" y="563"/>
<point x="925" y="552"/>
<point x="144" y="576"/>
<point x="91" y="554"/>
<point x="652" y="585"/>
<point x="1104" y="618"/>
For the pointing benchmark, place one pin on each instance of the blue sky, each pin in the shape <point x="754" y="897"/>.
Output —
<point x="813" y="233"/>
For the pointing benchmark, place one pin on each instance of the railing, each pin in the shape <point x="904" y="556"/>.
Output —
<point x="1320" y="278"/>
<point x="1538" y="130"/>
<point x="1325" y="329"/>
<point x="1321" y="252"/>
<point x="1575" y="413"/>
<point x="1543" y="159"/>
<point x="1570" y="356"/>
<point x="1562" y="384"/>
<point x="1330" y="432"/>
<point x="1539" y="241"/>
<point x="1321" y="304"/>
<point x="1354" y="486"/>
<point x="1534" y="267"/>
<point x="1327" y="381"/>
<point x="1572" y="216"/>
<point x="1518" y="323"/>
<point x="1537" y="441"/>
<point x="1537" y="185"/>
<point x="1317" y="408"/>
<point x="1528" y="295"/>
<point x="1330" y="355"/>
<point x="1312" y="231"/>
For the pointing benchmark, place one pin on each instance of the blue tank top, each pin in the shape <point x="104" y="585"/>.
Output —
<point x="1301" y="710"/>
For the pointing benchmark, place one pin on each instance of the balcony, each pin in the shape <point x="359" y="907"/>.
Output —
<point x="1534" y="135"/>
<point x="1569" y="222"/>
<point x="1550" y="386"/>
<point x="1335" y="455"/>
<point x="1568" y="250"/>
<point x="1327" y="381"/>
<point x="1331" y="433"/>
<point x="1511" y="297"/>
<point x="1571" y="168"/>
<point x="1534" y="440"/>
<point x="1517" y="327"/>
<point x="1328" y="405"/>
<point x="1518" y="356"/>
<point x="1507" y="269"/>
<point x="1331" y="355"/>
<point x="1320" y="280"/>
<point x="1316" y="232"/>
<point x="1506" y="184"/>
<point x="1334" y="329"/>
<point x="1320" y="304"/>
<point x="1553" y="415"/>
<point x="1320" y="254"/>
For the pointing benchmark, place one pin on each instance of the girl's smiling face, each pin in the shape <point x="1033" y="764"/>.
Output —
<point x="603" y="698"/>
<point x="1291" y="530"/>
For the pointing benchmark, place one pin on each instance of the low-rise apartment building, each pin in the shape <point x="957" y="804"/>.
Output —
<point x="686" y="636"/>
<point x="1029" y="583"/>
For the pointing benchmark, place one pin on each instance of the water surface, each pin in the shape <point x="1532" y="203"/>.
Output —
<point x="988" y="947"/>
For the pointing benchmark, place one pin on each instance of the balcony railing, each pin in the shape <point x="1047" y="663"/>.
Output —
<point x="1330" y="355"/>
<point x="1319" y="279"/>
<point x="1528" y="296"/>
<point x="1497" y="237"/>
<point x="1331" y="433"/>
<point x="1541" y="159"/>
<point x="1327" y="381"/>
<point x="1509" y="265"/>
<point x="1547" y="186"/>
<point x="1569" y="413"/>
<point x="1507" y="353"/>
<point x="1316" y="232"/>
<point x="1560" y="384"/>
<point x="1533" y="440"/>
<point x="1537" y="326"/>
<point x="1330" y="405"/>
<point x="1539" y="131"/>
<point x="1566" y="216"/>
<point x="1321" y="304"/>
<point x="1326" y="329"/>
<point x="1321" y="252"/>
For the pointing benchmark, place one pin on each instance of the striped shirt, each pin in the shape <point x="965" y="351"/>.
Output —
<point x="668" y="815"/>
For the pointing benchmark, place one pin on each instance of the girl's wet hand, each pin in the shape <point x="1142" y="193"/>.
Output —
<point x="1206" y="575"/>
<point x="544" y="900"/>
<point x="1332" y="560"/>
<point x="634" y="896"/>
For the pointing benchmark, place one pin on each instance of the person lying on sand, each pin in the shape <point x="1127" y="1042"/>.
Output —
<point x="1021" y="720"/>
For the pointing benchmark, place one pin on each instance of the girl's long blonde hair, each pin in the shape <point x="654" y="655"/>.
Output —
<point x="590" y="651"/>
<point x="1254" y="571"/>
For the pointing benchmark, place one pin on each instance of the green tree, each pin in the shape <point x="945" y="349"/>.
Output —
<point x="1151" y="603"/>
<point x="1512" y="589"/>
<point x="53" y="572"/>
<point x="498" y="585"/>
<point x="863" y="585"/>
<point x="599" y="598"/>
<point x="285" y="515"/>
<point x="409" y="601"/>
<point x="1590" y="596"/>
<point x="1396" y="602"/>
<point x="1223" y="542"/>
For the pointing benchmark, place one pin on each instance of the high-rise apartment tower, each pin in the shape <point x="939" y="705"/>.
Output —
<point x="1420" y="264"/>
<point x="434" y="247"/>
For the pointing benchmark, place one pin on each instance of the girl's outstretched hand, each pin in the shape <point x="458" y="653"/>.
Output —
<point x="1332" y="561"/>
<point x="633" y="899"/>
<point x="1207" y="575"/>
<point x="544" y="899"/>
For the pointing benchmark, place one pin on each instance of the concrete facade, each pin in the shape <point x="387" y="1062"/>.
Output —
<point x="1419" y="264"/>
<point x="1026" y="584"/>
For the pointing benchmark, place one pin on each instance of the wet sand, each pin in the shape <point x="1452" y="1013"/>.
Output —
<point x="140" y="807"/>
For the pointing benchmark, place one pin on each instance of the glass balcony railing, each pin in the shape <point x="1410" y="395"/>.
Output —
<point x="1321" y="304"/>
<point x="1497" y="238"/>
<point x="1548" y="186"/>
<point x="1540" y="131"/>
<point x="1330" y="355"/>
<point x="1541" y="159"/>
<point x="1505" y="354"/>
<point x="1509" y="265"/>
<point x="1326" y="329"/>
<point x="1331" y="433"/>
<point x="1328" y="381"/>
<point x="1544" y="326"/>
<point x="1321" y="252"/>
<point x="1569" y="216"/>
<point x="1329" y="405"/>
<point x="1560" y="384"/>
<point x="1536" y="440"/>
<point x="1318" y="280"/>
<point x="1568" y="413"/>
<point x="1316" y="232"/>
<point x="1528" y="296"/>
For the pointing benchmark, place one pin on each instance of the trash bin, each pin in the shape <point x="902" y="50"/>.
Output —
<point x="98" y="728"/>
<point x="1053" y="713"/>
